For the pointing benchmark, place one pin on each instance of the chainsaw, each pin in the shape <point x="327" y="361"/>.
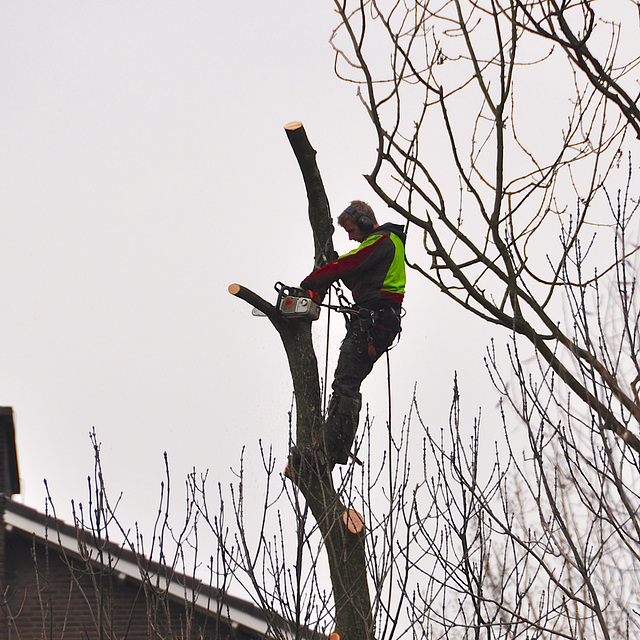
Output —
<point x="296" y="303"/>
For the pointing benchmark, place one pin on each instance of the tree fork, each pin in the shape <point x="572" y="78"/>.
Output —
<point x="342" y="529"/>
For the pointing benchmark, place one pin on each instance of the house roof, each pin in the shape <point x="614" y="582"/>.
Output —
<point x="128" y="564"/>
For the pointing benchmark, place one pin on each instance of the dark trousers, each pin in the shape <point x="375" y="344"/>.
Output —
<point x="367" y="339"/>
<point x="365" y="342"/>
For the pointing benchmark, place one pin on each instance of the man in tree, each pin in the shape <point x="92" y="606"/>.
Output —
<point x="375" y="274"/>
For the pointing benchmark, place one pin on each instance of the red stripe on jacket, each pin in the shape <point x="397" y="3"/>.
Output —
<point x="339" y="268"/>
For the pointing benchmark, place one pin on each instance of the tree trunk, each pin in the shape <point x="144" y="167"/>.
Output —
<point x="345" y="547"/>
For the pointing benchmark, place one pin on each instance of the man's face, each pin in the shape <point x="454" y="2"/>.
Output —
<point x="354" y="231"/>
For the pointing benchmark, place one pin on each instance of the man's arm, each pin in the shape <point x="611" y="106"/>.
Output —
<point x="344" y="266"/>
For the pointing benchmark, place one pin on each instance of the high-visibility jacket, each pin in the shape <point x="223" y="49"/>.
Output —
<point x="374" y="272"/>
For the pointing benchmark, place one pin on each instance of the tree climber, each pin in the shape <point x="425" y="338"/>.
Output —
<point x="375" y="274"/>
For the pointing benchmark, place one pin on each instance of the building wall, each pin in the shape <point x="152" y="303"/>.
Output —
<point x="7" y="486"/>
<point x="52" y="598"/>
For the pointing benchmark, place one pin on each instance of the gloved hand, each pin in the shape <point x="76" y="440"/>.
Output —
<point x="314" y="296"/>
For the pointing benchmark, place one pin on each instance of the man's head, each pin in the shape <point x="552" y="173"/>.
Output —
<point x="358" y="220"/>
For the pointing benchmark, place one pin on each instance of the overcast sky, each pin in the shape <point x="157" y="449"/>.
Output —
<point x="144" y="169"/>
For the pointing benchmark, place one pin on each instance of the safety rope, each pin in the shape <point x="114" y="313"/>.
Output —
<point x="391" y="527"/>
<point x="326" y="362"/>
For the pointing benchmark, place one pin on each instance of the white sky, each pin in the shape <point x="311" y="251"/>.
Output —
<point x="144" y="169"/>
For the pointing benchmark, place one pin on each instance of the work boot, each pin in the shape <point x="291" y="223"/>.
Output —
<point x="302" y="458"/>
<point x="339" y="429"/>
